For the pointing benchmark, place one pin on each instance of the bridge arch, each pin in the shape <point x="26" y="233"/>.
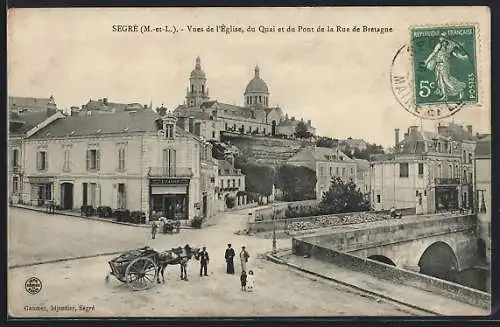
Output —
<point x="439" y="260"/>
<point x="383" y="259"/>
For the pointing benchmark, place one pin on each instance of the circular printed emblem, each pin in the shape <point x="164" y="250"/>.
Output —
<point x="435" y="75"/>
<point x="33" y="285"/>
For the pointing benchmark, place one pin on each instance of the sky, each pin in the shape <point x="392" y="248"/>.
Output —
<point x="341" y="81"/>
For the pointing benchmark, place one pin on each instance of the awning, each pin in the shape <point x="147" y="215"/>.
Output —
<point x="170" y="189"/>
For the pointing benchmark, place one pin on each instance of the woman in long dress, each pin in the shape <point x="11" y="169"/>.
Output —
<point x="439" y="62"/>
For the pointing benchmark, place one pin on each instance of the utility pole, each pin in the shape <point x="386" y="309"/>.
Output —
<point x="274" y="229"/>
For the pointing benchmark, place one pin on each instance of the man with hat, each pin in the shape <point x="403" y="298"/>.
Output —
<point x="204" y="262"/>
<point x="244" y="258"/>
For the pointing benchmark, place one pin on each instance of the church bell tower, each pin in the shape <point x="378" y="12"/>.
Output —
<point x="197" y="92"/>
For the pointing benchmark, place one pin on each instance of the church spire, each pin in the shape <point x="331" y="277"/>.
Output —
<point x="257" y="71"/>
<point x="198" y="62"/>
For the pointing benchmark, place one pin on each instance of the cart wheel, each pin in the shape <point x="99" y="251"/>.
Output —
<point x="141" y="273"/>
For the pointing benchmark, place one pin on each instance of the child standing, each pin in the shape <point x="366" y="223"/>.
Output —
<point x="243" y="279"/>
<point x="250" y="281"/>
<point x="154" y="228"/>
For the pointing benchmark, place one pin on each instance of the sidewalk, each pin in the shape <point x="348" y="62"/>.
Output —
<point x="406" y="295"/>
<point x="78" y="215"/>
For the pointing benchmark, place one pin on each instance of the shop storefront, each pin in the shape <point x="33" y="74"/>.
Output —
<point x="41" y="190"/>
<point x="169" y="197"/>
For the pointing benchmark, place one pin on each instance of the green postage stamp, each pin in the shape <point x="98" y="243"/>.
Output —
<point x="444" y="65"/>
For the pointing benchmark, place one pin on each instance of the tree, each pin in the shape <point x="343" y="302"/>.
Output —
<point x="343" y="197"/>
<point x="297" y="183"/>
<point x="301" y="130"/>
<point x="162" y="111"/>
<point x="327" y="142"/>
<point x="259" y="178"/>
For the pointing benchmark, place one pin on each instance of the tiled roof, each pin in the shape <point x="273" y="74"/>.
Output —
<point x="26" y="121"/>
<point x="230" y="110"/>
<point x="31" y="103"/>
<point x="320" y="154"/>
<point x="483" y="148"/>
<point x="116" y="123"/>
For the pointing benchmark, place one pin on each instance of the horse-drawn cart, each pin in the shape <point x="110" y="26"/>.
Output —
<point x="136" y="268"/>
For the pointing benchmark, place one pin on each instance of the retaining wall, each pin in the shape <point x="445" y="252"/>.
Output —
<point x="302" y="246"/>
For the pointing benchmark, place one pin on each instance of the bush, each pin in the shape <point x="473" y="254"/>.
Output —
<point x="196" y="222"/>
<point x="137" y="217"/>
<point x="230" y="202"/>
<point x="87" y="211"/>
<point x="122" y="215"/>
<point x="104" y="212"/>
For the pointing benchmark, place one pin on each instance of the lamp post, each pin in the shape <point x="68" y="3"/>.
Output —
<point x="274" y="229"/>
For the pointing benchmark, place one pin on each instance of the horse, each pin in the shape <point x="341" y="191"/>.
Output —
<point x="176" y="256"/>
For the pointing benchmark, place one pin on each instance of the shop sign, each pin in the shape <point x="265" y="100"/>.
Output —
<point x="169" y="181"/>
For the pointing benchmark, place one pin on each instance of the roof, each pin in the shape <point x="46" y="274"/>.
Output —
<point x="483" y="148"/>
<point x="186" y="111"/>
<point x="320" y="154"/>
<point x="456" y="132"/>
<point x="257" y="84"/>
<point x="123" y="122"/>
<point x="31" y="103"/>
<point x="362" y="164"/>
<point x="355" y="142"/>
<point x="26" y="121"/>
<point x="102" y="105"/>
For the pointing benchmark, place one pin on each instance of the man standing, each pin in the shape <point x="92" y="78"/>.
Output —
<point x="154" y="228"/>
<point x="244" y="258"/>
<point x="229" y="259"/>
<point x="204" y="262"/>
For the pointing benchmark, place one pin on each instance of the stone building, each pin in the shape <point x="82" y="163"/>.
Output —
<point x="482" y="189"/>
<point x="104" y="106"/>
<point x="430" y="171"/>
<point x="209" y="118"/>
<point x="327" y="163"/>
<point x="128" y="160"/>
<point x="26" y="115"/>
<point x="230" y="184"/>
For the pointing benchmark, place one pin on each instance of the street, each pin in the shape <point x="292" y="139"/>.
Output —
<point x="280" y="291"/>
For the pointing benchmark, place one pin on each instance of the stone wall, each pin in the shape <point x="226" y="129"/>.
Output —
<point x="266" y="213"/>
<point x="394" y="274"/>
<point x="265" y="150"/>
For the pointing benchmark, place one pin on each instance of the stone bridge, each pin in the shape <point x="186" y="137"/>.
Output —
<point x="436" y="245"/>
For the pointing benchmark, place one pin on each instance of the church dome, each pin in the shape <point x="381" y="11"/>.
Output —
<point x="257" y="84"/>
<point x="197" y="71"/>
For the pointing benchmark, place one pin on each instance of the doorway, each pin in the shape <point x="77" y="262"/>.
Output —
<point x="273" y="127"/>
<point x="67" y="196"/>
<point x="204" y="206"/>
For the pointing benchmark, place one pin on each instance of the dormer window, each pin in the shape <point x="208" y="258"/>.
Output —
<point x="169" y="131"/>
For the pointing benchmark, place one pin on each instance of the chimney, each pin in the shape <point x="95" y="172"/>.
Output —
<point x="413" y="129"/>
<point x="469" y="129"/>
<point x="396" y="137"/>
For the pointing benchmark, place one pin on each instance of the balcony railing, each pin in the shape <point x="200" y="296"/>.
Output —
<point x="170" y="172"/>
<point x="447" y="181"/>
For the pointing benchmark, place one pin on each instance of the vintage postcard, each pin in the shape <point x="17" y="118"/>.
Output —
<point x="226" y="162"/>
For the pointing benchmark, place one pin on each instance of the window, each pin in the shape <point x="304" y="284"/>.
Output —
<point x="192" y="88"/>
<point x="420" y="169"/>
<point x="84" y="194"/>
<point x="470" y="157"/>
<point x="234" y="183"/>
<point x="260" y="99"/>
<point x="42" y="160"/>
<point x="378" y="198"/>
<point x="403" y="169"/>
<point x="464" y="176"/>
<point x="226" y="127"/>
<point x="93" y="159"/>
<point x="93" y="196"/>
<point x="228" y="183"/>
<point x="264" y="131"/>
<point x="343" y="171"/>
<point x="122" y="197"/>
<point x="213" y="134"/>
<point x="450" y="171"/>
<point x="457" y="172"/>
<point x="121" y="158"/>
<point x="331" y="171"/>
<point x="321" y="171"/>
<point x="15" y="158"/>
<point x="239" y="182"/>
<point x="337" y="171"/>
<point x="221" y="183"/>
<point x="169" y="131"/>
<point x="169" y="161"/>
<point x="465" y="156"/>
<point x="15" y="184"/>
<point x="234" y="127"/>
<point x="67" y="160"/>
<point x="352" y="171"/>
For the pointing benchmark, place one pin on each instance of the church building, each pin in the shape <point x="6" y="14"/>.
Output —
<point x="209" y="118"/>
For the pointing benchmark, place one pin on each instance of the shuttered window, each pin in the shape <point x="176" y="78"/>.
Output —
<point x="42" y="160"/>
<point x="93" y="159"/>
<point x="121" y="158"/>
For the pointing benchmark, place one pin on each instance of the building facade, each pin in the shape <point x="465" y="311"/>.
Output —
<point x="430" y="171"/>
<point x="327" y="163"/>
<point x="482" y="189"/>
<point x="135" y="161"/>
<point x="230" y="184"/>
<point x="209" y="118"/>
